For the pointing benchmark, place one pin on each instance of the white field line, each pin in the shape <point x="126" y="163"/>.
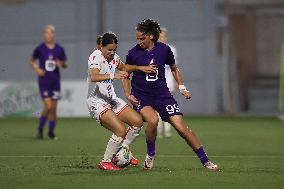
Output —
<point x="158" y="156"/>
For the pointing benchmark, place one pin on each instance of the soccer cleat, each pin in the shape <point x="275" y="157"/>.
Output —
<point x="134" y="161"/>
<point x="52" y="136"/>
<point x="211" y="166"/>
<point x="108" y="166"/>
<point x="39" y="134"/>
<point x="149" y="162"/>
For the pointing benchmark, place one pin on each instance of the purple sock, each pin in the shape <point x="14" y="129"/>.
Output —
<point x="151" y="151"/>
<point x="52" y="124"/>
<point x="41" y="123"/>
<point x="201" y="155"/>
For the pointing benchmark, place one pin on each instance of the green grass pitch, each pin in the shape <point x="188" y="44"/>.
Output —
<point x="249" y="151"/>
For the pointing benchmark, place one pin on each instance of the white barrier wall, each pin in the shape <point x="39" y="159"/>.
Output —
<point x="23" y="99"/>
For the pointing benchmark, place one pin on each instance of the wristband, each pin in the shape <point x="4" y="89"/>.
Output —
<point x="111" y="76"/>
<point x="182" y="88"/>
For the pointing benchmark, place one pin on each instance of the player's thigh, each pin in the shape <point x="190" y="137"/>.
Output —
<point x="131" y="117"/>
<point x="178" y="123"/>
<point x="102" y="112"/>
<point x="54" y="104"/>
<point x="110" y="121"/>
<point x="149" y="115"/>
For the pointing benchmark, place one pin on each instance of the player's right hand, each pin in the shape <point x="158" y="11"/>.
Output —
<point x="121" y="75"/>
<point x="40" y="72"/>
<point x="133" y="100"/>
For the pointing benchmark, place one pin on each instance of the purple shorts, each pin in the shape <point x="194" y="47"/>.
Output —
<point x="165" y="106"/>
<point x="49" y="89"/>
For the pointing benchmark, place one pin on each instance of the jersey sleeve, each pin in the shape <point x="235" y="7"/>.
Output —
<point x="174" y="50"/>
<point x="94" y="62"/>
<point x="171" y="58"/>
<point x="117" y="61"/>
<point x="129" y="59"/>
<point x="35" y="54"/>
<point x="62" y="55"/>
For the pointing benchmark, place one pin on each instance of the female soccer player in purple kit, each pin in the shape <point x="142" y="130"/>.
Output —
<point x="149" y="92"/>
<point x="50" y="56"/>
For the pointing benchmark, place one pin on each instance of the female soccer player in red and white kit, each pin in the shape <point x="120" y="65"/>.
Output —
<point x="104" y="105"/>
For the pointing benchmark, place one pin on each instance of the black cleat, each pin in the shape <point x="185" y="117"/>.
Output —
<point x="39" y="134"/>
<point x="52" y="136"/>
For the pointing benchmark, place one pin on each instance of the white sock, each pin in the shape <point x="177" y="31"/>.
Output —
<point x="167" y="128"/>
<point x="131" y="134"/>
<point x="112" y="147"/>
<point x="160" y="128"/>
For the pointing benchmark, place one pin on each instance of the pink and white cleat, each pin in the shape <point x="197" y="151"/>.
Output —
<point x="149" y="162"/>
<point x="108" y="166"/>
<point x="134" y="161"/>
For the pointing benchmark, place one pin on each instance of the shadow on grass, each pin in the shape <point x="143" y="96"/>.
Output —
<point x="94" y="170"/>
<point x="27" y="137"/>
<point x="130" y="170"/>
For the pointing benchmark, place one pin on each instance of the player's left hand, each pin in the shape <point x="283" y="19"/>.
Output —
<point x="133" y="100"/>
<point x="152" y="68"/>
<point x="60" y="63"/>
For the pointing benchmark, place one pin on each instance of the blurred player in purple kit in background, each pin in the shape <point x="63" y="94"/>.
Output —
<point x="149" y="92"/>
<point x="46" y="60"/>
<point x="164" y="128"/>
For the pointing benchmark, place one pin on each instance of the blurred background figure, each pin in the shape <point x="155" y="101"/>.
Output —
<point x="99" y="42"/>
<point x="164" y="128"/>
<point x="46" y="60"/>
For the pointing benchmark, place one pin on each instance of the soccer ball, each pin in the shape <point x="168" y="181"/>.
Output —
<point x="122" y="157"/>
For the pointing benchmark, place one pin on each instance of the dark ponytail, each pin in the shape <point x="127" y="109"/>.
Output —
<point x="149" y="26"/>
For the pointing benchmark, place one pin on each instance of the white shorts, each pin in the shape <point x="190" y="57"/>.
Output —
<point x="97" y="107"/>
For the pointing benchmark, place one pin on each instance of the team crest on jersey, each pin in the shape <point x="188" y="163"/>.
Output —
<point x="45" y="93"/>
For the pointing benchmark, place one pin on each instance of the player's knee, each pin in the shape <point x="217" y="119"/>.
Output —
<point x="137" y="121"/>
<point x="153" y="122"/>
<point x="121" y="131"/>
<point x="48" y="107"/>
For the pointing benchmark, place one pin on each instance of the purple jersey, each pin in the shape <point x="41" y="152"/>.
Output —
<point x="150" y="84"/>
<point x="49" y="84"/>
<point x="151" y="89"/>
<point x="47" y="59"/>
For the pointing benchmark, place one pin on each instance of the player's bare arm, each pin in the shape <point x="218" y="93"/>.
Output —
<point x="178" y="77"/>
<point x="61" y="64"/>
<point x="96" y="76"/>
<point x="127" y="92"/>
<point x="40" y="72"/>
<point x="130" y="68"/>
